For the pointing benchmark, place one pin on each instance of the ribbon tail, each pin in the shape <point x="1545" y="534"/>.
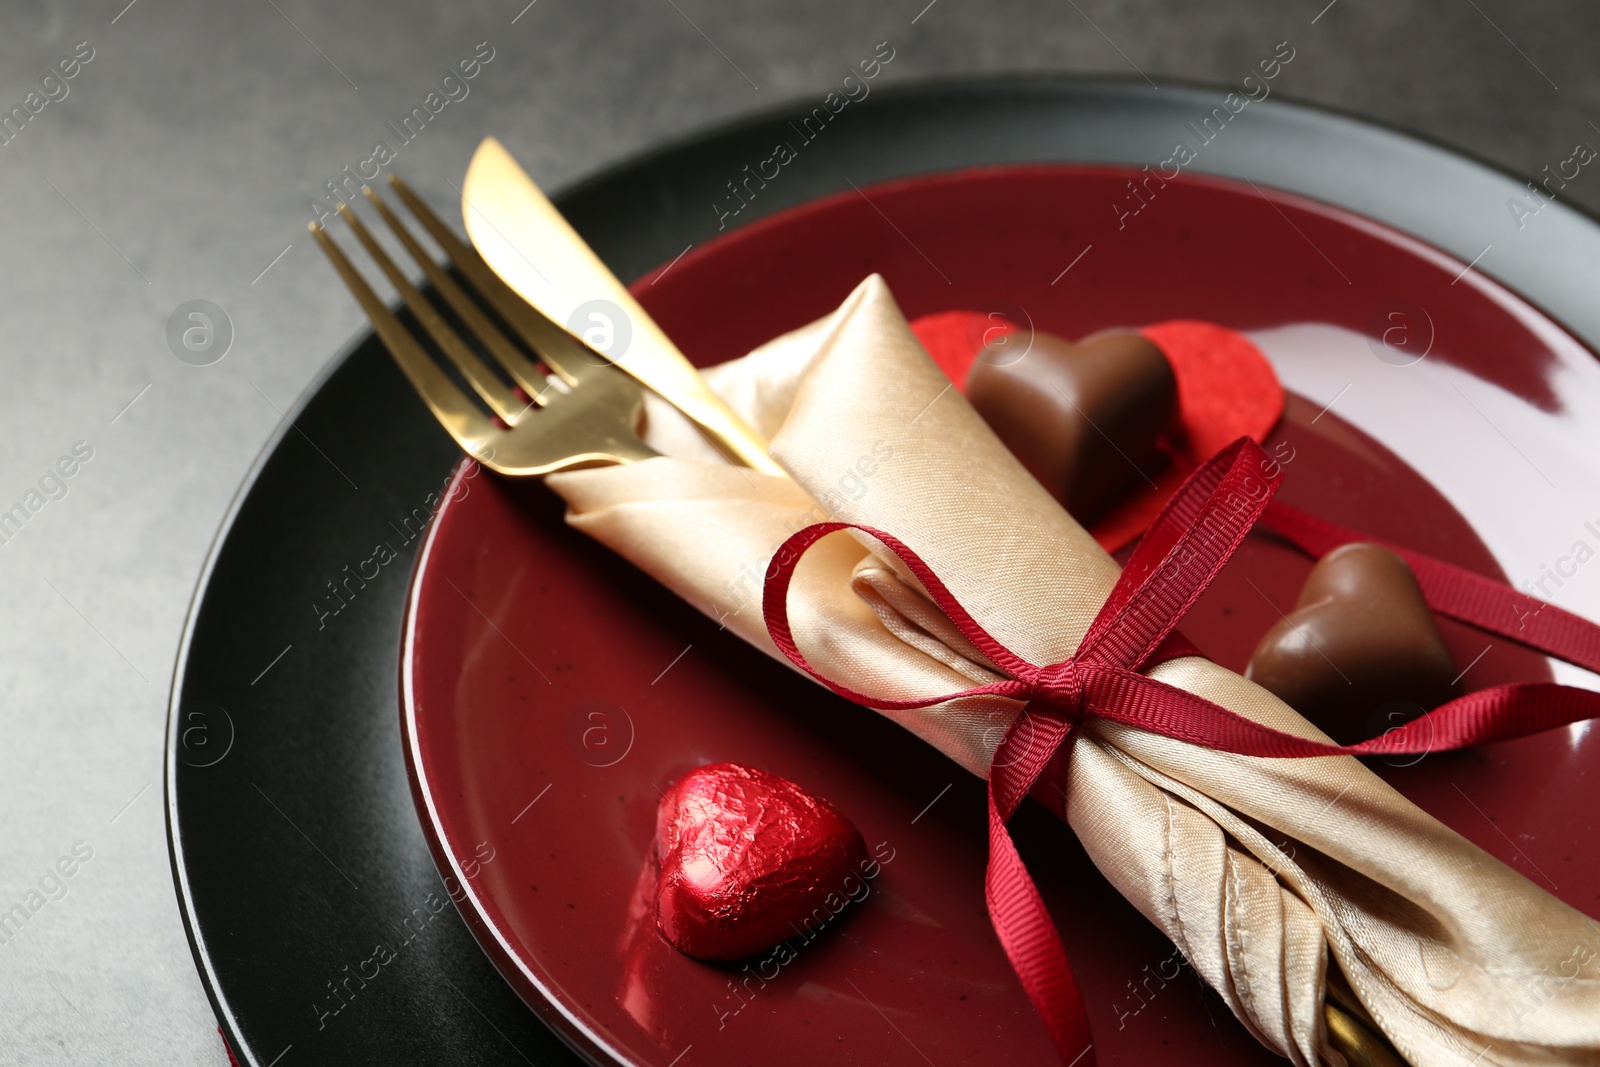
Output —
<point x="1029" y="938"/>
<point x="1488" y="604"/>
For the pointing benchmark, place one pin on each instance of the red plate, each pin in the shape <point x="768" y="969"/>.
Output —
<point x="551" y="691"/>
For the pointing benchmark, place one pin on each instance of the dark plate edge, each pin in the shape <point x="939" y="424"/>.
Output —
<point x="227" y="1023"/>
<point x="1044" y="80"/>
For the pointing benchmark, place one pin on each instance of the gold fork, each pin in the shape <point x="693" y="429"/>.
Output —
<point x="584" y="411"/>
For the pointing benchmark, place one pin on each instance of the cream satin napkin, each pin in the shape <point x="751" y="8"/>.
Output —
<point x="1254" y="867"/>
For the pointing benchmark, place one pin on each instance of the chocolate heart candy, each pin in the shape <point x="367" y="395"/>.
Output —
<point x="749" y="859"/>
<point x="1361" y="637"/>
<point x="1083" y="418"/>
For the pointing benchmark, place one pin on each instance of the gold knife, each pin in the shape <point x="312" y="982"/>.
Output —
<point x="533" y="249"/>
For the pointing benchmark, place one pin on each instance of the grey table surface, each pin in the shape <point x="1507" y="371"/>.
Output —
<point x="179" y="165"/>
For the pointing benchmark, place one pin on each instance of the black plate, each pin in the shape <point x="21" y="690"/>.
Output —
<point x="295" y="844"/>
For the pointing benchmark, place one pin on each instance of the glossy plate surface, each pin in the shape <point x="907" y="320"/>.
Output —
<point x="552" y="692"/>
<point x="296" y="845"/>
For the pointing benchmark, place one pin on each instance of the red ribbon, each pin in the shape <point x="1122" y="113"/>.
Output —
<point x="1195" y="535"/>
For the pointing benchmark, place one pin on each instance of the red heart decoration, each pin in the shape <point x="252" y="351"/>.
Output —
<point x="746" y="859"/>
<point x="1226" y="389"/>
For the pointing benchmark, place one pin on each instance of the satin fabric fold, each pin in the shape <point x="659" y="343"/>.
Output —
<point x="1255" y="868"/>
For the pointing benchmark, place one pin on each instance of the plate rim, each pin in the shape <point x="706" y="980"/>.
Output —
<point x="571" y="1028"/>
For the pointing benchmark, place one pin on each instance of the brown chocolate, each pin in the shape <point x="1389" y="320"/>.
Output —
<point x="1083" y="418"/>
<point x="1361" y="652"/>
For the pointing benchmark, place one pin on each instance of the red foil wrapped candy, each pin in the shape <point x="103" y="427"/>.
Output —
<point x="746" y="857"/>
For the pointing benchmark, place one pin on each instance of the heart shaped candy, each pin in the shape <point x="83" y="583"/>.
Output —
<point x="1086" y="419"/>
<point x="1360" y="638"/>
<point x="746" y="859"/>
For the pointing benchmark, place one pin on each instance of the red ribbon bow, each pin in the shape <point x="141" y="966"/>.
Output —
<point x="1195" y="535"/>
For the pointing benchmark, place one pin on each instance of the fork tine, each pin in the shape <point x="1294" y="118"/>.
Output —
<point x="520" y="367"/>
<point x="555" y="346"/>
<point x="501" y="400"/>
<point x="450" y="406"/>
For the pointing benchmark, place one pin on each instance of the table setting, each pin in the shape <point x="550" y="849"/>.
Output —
<point x="1046" y="569"/>
<point x="1383" y="935"/>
